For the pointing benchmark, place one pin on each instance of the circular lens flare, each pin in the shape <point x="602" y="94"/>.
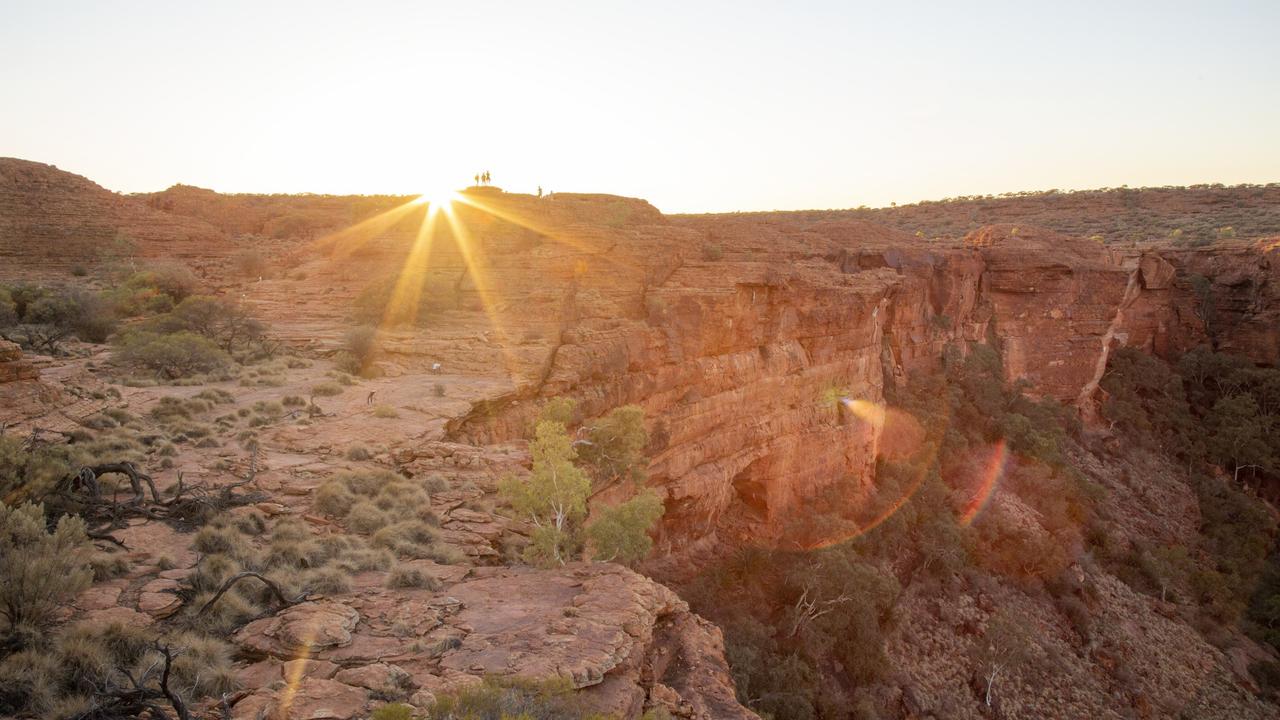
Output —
<point x="990" y="480"/>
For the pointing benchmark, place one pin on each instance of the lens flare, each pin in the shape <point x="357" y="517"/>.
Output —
<point x="898" y="436"/>
<point x="991" y="476"/>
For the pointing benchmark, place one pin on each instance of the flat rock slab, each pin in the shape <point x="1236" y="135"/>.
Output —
<point x="578" y="623"/>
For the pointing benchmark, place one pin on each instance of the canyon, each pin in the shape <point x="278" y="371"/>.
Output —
<point x="750" y="341"/>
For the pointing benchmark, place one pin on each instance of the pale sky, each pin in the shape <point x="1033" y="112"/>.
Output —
<point x="695" y="106"/>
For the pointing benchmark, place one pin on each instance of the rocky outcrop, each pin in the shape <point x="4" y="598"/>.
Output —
<point x="271" y="216"/>
<point x="739" y="336"/>
<point x="627" y="642"/>
<point x="13" y="367"/>
<point x="52" y="220"/>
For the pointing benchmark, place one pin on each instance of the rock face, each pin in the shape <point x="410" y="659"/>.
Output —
<point x="12" y="367"/>
<point x="51" y="220"/>
<point x="739" y="335"/>
<point x="270" y="216"/>
<point x="747" y="341"/>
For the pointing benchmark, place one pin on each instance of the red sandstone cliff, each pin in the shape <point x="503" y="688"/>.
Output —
<point x="734" y="333"/>
<point x="729" y="330"/>
<point x="51" y="220"/>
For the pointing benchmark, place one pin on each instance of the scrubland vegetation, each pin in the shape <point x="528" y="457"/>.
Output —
<point x="1195" y="216"/>
<point x="160" y="328"/>
<point x="805" y="629"/>
<point x="1210" y="410"/>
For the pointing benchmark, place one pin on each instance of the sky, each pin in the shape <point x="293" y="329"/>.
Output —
<point x="695" y="106"/>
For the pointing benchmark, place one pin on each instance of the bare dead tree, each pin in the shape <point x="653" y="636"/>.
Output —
<point x="141" y="696"/>
<point x="82" y="493"/>
<point x="807" y="609"/>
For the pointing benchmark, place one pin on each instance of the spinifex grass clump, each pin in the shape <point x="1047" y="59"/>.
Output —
<point x="287" y="555"/>
<point x="394" y="511"/>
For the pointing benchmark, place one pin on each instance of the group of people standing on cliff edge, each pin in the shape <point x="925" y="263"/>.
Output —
<point x="485" y="179"/>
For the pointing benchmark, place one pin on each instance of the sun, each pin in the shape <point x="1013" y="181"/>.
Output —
<point x="440" y="198"/>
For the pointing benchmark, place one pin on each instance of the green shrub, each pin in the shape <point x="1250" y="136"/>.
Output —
<point x="39" y="570"/>
<point x="328" y="581"/>
<point x="152" y="290"/>
<point x="560" y="409"/>
<point x="56" y="680"/>
<point x="621" y="533"/>
<point x="616" y="443"/>
<point x="225" y="322"/>
<point x="361" y="342"/>
<point x="365" y="517"/>
<point x="30" y="473"/>
<point x="173" y="356"/>
<point x="39" y="318"/>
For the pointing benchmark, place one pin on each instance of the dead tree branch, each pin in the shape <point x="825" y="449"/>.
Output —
<point x="271" y="585"/>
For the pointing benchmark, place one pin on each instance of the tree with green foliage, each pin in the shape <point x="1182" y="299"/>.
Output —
<point x="1167" y="566"/>
<point x="227" y="323"/>
<point x="1239" y="434"/>
<point x="28" y="473"/>
<point x="560" y="409"/>
<point x="173" y="356"/>
<point x="1006" y="644"/>
<point x="41" y="318"/>
<point x="553" y="497"/>
<point x="153" y="290"/>
<point x="621" y="533"/>
<point x="614" y="446"/>
<point x="1146" y="399"/>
